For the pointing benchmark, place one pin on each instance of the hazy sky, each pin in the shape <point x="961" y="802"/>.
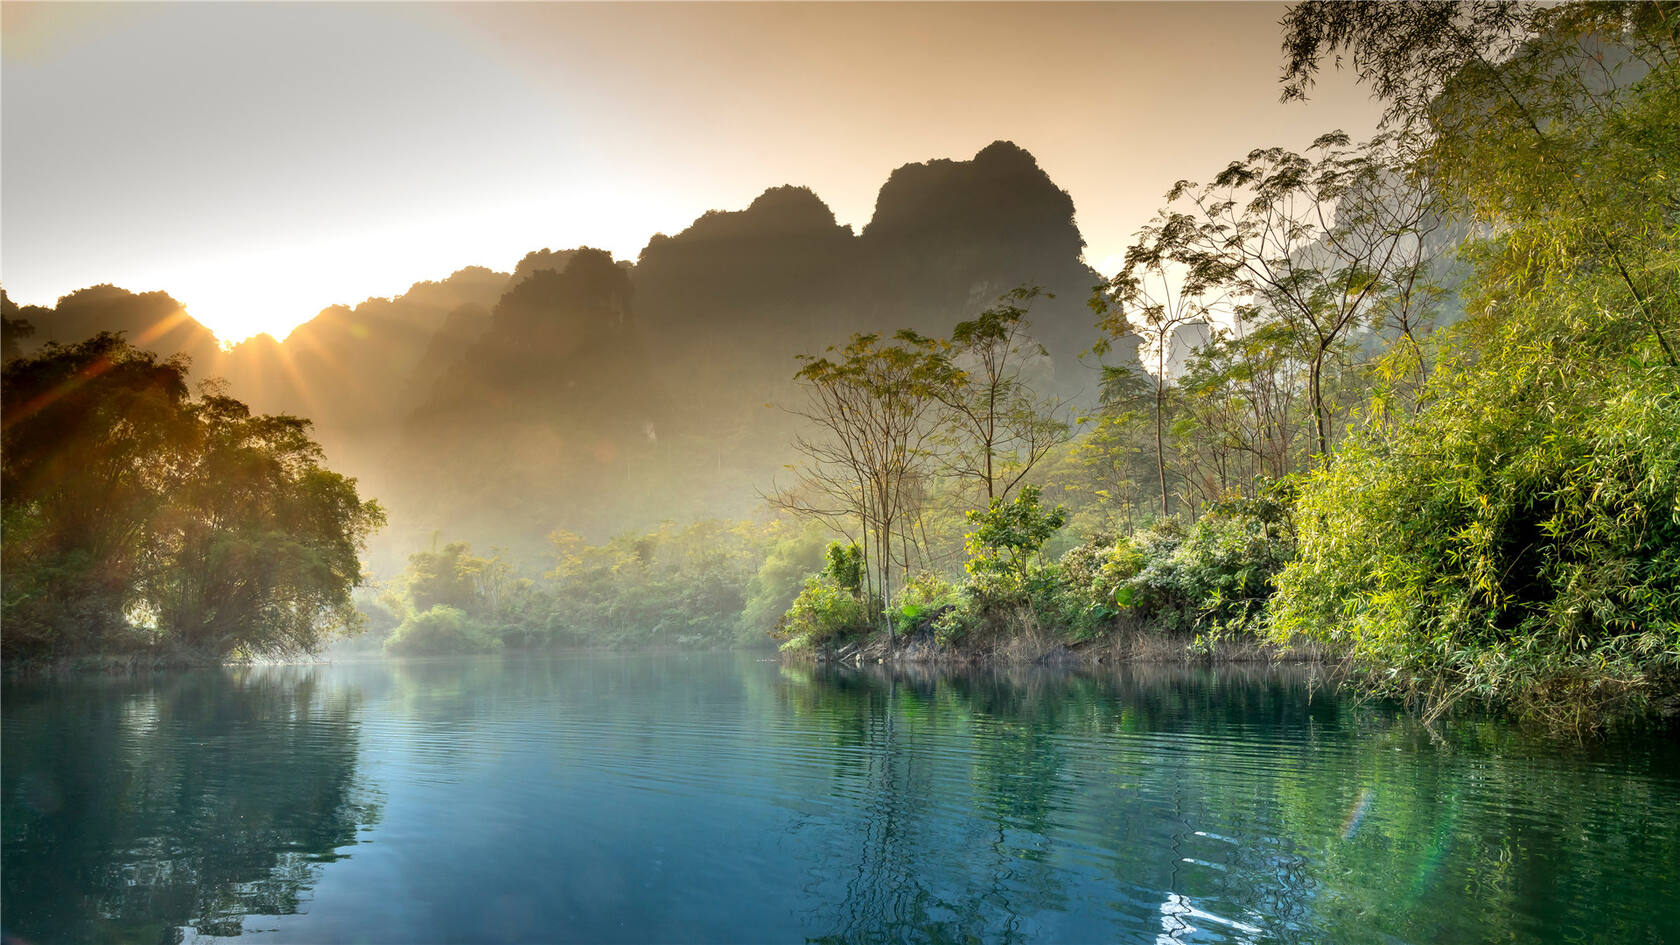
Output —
<point x="260" y="162"/>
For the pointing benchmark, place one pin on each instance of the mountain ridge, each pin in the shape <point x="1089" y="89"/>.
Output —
<point x="708" y="321"/>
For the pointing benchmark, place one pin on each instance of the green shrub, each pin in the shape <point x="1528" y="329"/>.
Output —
<point x="823" y="611"/>
<point x="441" y="631"/>
<point x="1008" y="535"/>
<point x="1154" y="592"/>
<point x="1009" y="588"/>
<point x="1228" y="563"/>
<point x="924" y="596"/>
<point x="1093" y="578"/>
<point x="1210" y="580"/>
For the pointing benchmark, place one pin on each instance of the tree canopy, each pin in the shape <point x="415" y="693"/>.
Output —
<point x="139" y="516"/>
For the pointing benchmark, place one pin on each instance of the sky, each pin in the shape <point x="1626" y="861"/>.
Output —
<point x="260" y="162"/>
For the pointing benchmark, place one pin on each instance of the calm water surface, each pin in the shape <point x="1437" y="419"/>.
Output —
<point x="669" y="798"/>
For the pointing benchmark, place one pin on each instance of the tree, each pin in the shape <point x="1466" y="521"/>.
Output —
<point x="1406" y="52"/>
<point x="1511" y="100"/>
<point x="1001" y="427"/>
<point x="1313" y="241"/>
<point x="1237" y="399"/>
<point x="1110" y="455"/>
<point x="137" y="514"/>
<point x="1145" y="298"/>
<point x="257" y="549"/>
<point x="13" y="328"/>
<point x="1009" y="533"/>
<point x="873" y="406"/>
<point x="94" y="436"/>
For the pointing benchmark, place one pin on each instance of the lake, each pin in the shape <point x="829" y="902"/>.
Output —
<point x="722" y="798"/>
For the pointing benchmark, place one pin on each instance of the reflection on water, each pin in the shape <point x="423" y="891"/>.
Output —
<point x="672" y="798"/>
<point x="133" y="809"/>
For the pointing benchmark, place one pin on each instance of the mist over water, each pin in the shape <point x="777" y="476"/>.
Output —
<point x="708" y="798"/>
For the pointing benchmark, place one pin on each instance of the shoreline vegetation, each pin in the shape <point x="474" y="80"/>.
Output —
<point x="1125" y="650"/>
<point x="1413" y="412"/>
<point x="1132" y="649"/>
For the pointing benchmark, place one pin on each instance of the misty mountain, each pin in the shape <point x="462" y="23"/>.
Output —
<point x="549" y="419"/>
<point x="948" y="237"/>
<point x="461" y="328"/>
<point x="352" y="370"/>
<point x="597" y="396"/>
<point x="761" y="283"/>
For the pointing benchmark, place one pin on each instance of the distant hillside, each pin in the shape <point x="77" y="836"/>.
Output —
<point x="150" y="319"/>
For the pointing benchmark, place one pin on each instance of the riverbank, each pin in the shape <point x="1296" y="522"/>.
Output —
<point x="923" y="647"/>
<point x="149" y="660"/>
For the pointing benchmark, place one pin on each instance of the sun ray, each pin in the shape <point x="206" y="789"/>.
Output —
<point x="305" y="394"/>
<point x="159" y="328"/>
<point x="46" y="399"/>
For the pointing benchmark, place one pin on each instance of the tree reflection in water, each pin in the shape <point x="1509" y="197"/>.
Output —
<point x="1165" y="804"/>
<point x="145" y="806"/>
<point x="924" y="746"/>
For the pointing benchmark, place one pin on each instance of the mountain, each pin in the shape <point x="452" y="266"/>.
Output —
<point x="598" y="396"/>
<point x="948" y="237"/>
<point x="764" y="282"/>
<point x="351" y="369"/>
<point x="549" y="419"/>
<point x="152" y="320"/>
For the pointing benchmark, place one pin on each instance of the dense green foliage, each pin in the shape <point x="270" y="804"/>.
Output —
<point x="1518" y="539"/>
<point x="1217" y="578"/>
<point x="140" y="518"/>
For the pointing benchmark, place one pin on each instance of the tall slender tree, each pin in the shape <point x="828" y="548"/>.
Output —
<point x="874" y="407"/>
<point x="1000" y="426"/>
<point x="1152" y="298"/>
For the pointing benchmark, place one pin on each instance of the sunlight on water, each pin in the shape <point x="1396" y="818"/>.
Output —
<point x="671" y="798"/>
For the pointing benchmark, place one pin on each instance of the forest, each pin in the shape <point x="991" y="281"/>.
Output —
<point x="1409" y="405"/>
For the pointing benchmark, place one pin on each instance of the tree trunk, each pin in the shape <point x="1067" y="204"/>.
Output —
<point x="1320" y="424"/>
<point x="1160" y="449"/>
